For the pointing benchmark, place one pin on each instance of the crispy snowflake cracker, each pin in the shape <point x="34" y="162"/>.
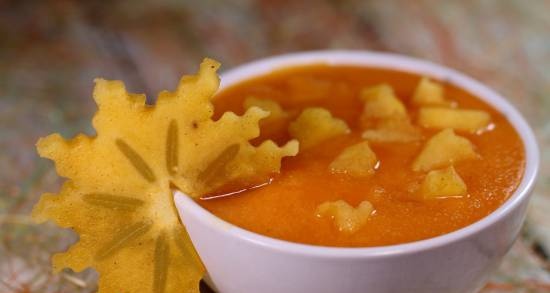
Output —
<point x="118" y="197"/>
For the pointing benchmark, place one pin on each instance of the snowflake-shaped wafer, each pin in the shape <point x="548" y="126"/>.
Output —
<point x="118" y="196"/>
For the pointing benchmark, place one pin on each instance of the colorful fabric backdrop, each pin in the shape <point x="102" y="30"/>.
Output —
<point x="51" y="50"/>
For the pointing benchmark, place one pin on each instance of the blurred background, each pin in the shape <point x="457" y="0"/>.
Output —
<point x="51" y="50"/>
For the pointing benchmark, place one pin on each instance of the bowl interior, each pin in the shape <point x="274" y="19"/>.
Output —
<point x="399" y="63"/>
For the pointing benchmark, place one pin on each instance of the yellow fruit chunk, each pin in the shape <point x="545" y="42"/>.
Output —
<point x="315" y="125"/>
<point x="381" y="102"/>
<point x="444" y="149"/>
<point x="346" y="218"/>
<point x="429" y="92"/>
<point x="275" y="110"/>
<point x="276" y="124"/>
<point x="392" y="130"/>
<point x="442" y="183"/>
<point x="357" y="160"/>
<point x="118" y="196"/>
<point x="458" y="119"/>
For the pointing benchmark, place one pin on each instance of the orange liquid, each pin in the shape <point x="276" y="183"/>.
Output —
<point x="285" y="209"/>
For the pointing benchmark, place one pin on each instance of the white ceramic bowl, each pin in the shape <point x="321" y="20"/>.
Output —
<point x="240" y="261"/>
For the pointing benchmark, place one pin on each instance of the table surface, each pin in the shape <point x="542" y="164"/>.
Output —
<point x="50" y="51"/>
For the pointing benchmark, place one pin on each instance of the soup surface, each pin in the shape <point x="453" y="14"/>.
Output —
<point x="286" y="207"/>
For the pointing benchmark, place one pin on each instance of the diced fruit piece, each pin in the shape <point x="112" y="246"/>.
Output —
<point x="392" y="130"/>
<point x="444" y="149"/>
<point x="273" y="126"/>
<point x="442" y="183"/>
<point x="356" y="160"/>
<point x="429" y="92"/>
<point x="458" y="119"/>
<point x="346" y="218"/>
<point x="315" y="125"/>
<point x="381" y="102"/>
<point x="275" y="110"/>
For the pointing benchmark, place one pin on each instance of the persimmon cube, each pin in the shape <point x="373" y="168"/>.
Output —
<point x="458" y="119"/>
<point x="346" y="218"/>
<point x="429" y="92"/>
<point x="381" y="102"/>
<point x="442" y="183"/>
<point x="315" y="125"/>
<point x="275" y="110"/>
<point x="357" y="160"/>
<point x="392" y="130"/>
<point x="444" y="149"/>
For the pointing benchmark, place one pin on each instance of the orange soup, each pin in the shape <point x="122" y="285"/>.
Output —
<point x="288" y="207"/>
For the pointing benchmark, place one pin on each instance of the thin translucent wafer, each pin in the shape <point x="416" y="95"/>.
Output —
<point x="118" y="196"/>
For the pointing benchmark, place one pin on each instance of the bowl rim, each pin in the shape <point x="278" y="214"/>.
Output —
<point x="389" y="61"/>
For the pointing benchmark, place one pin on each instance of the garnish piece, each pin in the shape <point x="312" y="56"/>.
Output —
<point x="429" y="93"/>
<point x="442" y="183"/>
<point x="346" y="218"/>
<point x="275" y="110"/>
<point x="380" y="102"/>
<point x="442" y="150"/>
<point x="399" y="130"/>
<point x="357" y="160"/>
<point x="276" y="124"/>
<point x="315" y="125"/>
<point x="118" y="197"/>
<point x="385" y="117"/>
<point x="461" y="120"/>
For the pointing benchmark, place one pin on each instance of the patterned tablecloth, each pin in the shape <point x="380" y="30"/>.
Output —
<point x="50" y="51"/>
